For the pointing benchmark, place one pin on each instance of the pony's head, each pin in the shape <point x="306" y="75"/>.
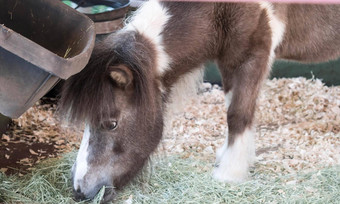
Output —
<point x="118" y="97"/>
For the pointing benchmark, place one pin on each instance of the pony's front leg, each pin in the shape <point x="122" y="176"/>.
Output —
<point x="238" y="152"/>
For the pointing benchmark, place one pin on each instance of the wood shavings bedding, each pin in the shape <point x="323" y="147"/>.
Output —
<point x="297" y="126"/>
<point x="35" y="136"/>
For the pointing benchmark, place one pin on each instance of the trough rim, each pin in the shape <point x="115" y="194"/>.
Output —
<point x="43" y="58"/>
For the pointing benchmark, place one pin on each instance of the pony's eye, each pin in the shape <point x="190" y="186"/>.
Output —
<point x="109" y="125"/>
<point x="112" y="125"/>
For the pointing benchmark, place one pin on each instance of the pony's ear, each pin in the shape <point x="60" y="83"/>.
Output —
<point x="121" y="75"/>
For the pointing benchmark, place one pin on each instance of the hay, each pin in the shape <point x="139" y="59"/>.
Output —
<point x="49" y="182"/>
<point x="177" y="180"/>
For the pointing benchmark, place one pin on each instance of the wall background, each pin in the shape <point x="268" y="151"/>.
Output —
<point x="329" y="72"/>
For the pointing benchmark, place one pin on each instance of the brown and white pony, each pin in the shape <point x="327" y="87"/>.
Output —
<point x="123" y="93"/>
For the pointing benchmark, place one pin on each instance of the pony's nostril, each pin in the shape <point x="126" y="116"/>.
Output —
<point x="78" y="195"/>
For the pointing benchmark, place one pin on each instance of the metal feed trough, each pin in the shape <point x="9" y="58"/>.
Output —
<point x="106" y="21"/>
<point x="41" y="41"/>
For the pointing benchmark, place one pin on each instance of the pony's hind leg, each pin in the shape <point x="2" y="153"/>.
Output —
<point x="238" y="153"/>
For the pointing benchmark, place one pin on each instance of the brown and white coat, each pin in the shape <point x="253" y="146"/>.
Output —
<point x="134" y="73"/>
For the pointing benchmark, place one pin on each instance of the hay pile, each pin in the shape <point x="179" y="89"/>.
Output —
<point x="49" y="182"/>
<point x="297" y="143"/>
<point x="176" y="180"/>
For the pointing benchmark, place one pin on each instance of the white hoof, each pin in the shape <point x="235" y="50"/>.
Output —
<point x="230" y="175"/>
<point x="220" y="152"/>
<point x="252" y="157"/>
<point x="233" y="166"/>
<point x="233" y="161"/>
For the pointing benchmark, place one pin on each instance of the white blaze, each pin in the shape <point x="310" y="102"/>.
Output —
<point x="81" y="161"/>
<point x="149" y="20"/>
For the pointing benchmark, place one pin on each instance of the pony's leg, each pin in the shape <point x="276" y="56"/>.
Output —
<point x="227" y="81"/>
<point x="227" y="75"/>
<point x="238" y="152"/>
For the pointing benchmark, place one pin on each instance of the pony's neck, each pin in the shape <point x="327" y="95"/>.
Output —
<point x="149" y="21"/>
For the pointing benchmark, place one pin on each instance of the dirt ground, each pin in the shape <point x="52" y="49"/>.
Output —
<point x="35" y="136"/>
<point x="297" y="128"/>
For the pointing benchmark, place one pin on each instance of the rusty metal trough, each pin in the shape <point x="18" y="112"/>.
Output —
<point x="41" y="41"/>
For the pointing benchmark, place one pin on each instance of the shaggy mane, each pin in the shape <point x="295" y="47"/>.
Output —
<point x="89" y="95"/>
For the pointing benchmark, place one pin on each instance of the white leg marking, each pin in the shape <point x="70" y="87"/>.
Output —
<point x="236" y="159"/>
<point x="221" y="150"/>
<point x="228" y="98"/>
<point x="81" y="161"/>
<point x="150" y="20"/>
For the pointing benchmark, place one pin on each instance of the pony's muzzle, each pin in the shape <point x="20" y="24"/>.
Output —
<point x="78" y="195"/>
<point x="109" y="194"/>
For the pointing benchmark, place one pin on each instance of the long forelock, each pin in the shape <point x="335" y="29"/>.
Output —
<point x="89" y="95"/>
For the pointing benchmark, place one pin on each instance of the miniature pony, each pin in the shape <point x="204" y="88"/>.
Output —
<point x="124" y="92"/>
